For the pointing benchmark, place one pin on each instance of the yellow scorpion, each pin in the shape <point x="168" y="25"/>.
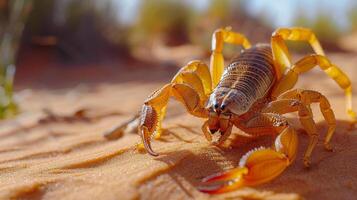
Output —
<point x="252" y="93"/>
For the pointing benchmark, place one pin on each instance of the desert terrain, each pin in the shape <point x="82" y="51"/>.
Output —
<point x="55" y="149"/>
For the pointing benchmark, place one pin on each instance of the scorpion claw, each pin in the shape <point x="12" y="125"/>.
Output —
<point x="233" y="177"/>
<point x="256" y="167"/>
<point x="224" y="176"/>
<point x="147" y="125"/>
<point x="230" y="186"/>
<point x="146" y="140"/>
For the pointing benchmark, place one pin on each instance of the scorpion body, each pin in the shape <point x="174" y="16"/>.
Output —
<point x="252" y="93"/>
<point x="248" y="78"/>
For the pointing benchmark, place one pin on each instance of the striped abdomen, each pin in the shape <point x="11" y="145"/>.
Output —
<point x="247" y="78"/>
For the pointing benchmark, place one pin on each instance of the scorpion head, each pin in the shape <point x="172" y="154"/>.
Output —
<point x="223" y="104"/>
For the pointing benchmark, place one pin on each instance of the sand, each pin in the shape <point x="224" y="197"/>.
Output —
<point x="66" y="157"/>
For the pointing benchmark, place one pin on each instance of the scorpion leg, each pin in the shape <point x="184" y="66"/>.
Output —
<point x="195" y="74"/>
<point x="119" y="130"/>
<point x="199" y="69"/>
<point x="219" y="37"/>
<point x="259" y="165"/>
<point x="307" y="97"/>
<point x="155" y="106"/>
<point x="280" y="50"/>
<point x="282" y="106"/>
<point x="307" y="63"/>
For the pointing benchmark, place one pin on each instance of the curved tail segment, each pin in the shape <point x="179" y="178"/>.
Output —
<point x="257" y="166"/>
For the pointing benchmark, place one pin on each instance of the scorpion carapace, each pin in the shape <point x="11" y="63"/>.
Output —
<point x="252" y="93"/>
<point x="247" y="78"/>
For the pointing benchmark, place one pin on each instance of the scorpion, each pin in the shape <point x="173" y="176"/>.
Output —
<point x="251" y="93"/>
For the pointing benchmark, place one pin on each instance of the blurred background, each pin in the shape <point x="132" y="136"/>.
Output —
<point x="59" y="44"/>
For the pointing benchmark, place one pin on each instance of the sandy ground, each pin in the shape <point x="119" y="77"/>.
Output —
<point x="65" y="157"/>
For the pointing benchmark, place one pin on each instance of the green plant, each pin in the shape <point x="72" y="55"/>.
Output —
<point x="13" y="15"/>
<point x="162" y="19"/>
<point x="323" y="25"/>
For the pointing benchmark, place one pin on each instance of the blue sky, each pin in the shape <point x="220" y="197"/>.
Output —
<point x="280" y="12"/>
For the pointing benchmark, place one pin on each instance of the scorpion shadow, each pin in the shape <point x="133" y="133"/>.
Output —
<point x="333" y="169"/>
